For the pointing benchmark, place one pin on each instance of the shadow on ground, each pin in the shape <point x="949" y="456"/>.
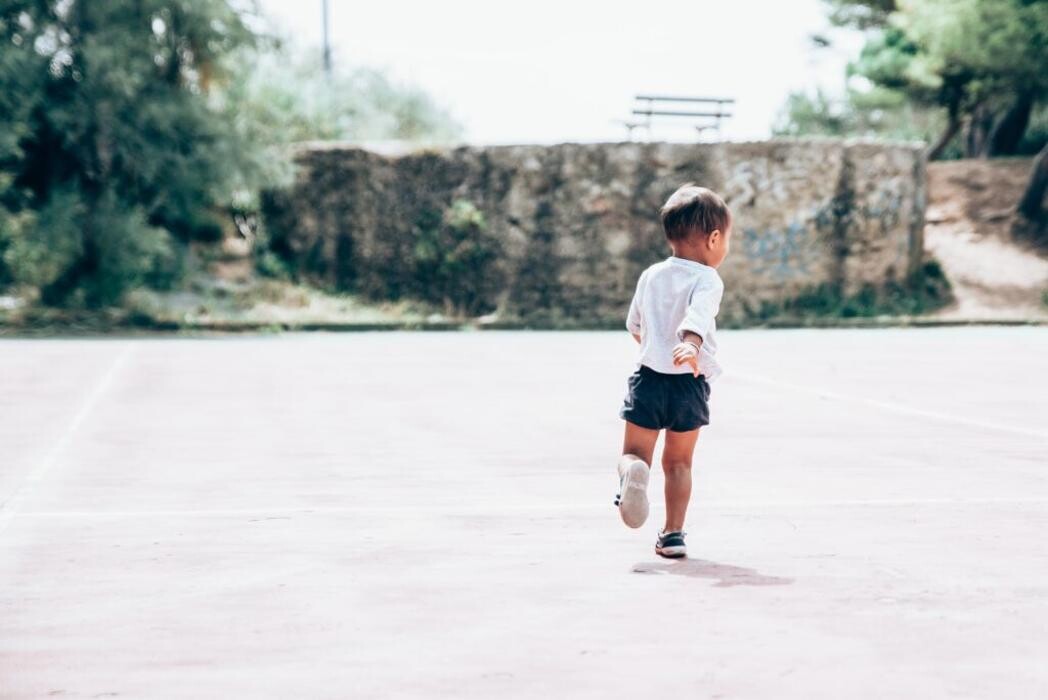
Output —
<point x="726" y="574"/>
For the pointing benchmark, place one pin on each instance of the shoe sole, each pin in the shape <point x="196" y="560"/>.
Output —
<point x="633" y="502"/>
<point x="672" y="552"/>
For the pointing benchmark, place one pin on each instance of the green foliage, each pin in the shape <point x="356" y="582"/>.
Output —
<point x="45" y="243"/>
<point x="924" y="46"/>
<point x="995" y="47"/>
<point x="130" y="127"/>
<point x="863" y="14"/>
<point x="285" y="93"/>
<point x="271" y="265"/>
<point x="929" y="290"/>
<point x="124" y="250"/>
<point x="21" y="88"/>
<point x="12" y="226"/>
<point x="876" y="113"/>
<point x="267" y="262"/>
<point x="817" y="114"/>
<point x="454" y="259"/>
<point x="130" y="252"/>
<point x="893" y="61"/>
<point x="932" y="67"/>
<point x="1036" y="134"/>
<point x="115" y="142"/>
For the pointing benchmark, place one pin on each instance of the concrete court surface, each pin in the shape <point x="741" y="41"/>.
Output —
<point x="430" y="515"/>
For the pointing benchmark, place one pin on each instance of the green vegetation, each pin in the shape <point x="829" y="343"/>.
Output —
<point x="928" y="291"/>
<point x="292" y="100"/>
<point x="119" y="149"/>
<point x="454" y="260"/>
<point x="933" y="69"/>
<point x="131" y="128"/>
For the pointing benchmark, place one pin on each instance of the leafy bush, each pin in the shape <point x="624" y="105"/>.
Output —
<point x="927" y="291"/>
<point x="45" y="243"/>
<point x="454" y="260"/>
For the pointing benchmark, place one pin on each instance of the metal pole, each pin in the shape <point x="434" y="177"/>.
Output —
<point x="327" y="42"/>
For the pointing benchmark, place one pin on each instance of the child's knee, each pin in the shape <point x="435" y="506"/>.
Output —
<point x="675" y="466"/>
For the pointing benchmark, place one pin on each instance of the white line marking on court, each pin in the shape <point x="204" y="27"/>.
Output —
<point x="9" y="508"/>
<point x="893" y="407"/>
<point x="497" y="511"/>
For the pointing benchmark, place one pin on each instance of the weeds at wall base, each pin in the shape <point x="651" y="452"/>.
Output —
<point x="928" y="291"/>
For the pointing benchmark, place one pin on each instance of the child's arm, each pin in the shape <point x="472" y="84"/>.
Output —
<point x="698" y="321"/>
<point x="636" y="336"/>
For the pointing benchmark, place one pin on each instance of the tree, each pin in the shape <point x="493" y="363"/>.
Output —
<point x="980" y="63"/>
<point x="283" y="90"/>
<point x="875" y="113"/>
<point x="1031" y="204"/>
<point x="987" y="58"/>
<point x="21" y="88"/>
<point x="130" y="127"/>
<point x="117" y="148"/>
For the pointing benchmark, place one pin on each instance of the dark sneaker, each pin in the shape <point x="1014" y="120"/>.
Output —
<point x="632" y="498"/>
<point x="671" y="545"/>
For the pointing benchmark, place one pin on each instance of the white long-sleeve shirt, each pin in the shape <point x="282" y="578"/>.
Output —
<point x="672" y="297"/>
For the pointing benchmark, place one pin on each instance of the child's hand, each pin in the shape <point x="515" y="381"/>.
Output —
<point x="687" y="353"/>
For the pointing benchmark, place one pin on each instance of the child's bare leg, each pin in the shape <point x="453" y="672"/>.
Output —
<point x="676" y="465"/>
<point x="639" y="443"/>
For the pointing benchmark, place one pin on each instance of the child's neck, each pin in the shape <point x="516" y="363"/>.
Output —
<point x="688" y="253"/>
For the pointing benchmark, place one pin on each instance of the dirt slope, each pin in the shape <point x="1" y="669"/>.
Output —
<point x="968" y="220"/>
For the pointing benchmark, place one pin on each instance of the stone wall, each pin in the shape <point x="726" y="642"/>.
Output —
<point x="566" y="229"/>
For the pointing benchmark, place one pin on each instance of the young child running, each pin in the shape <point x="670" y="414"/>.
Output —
<point x="673" y="317"/>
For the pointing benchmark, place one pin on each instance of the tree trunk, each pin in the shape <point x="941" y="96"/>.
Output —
<point x="977" y="137"/>
<point x="1009" y="130"/>
<point x="1031" y="204"/>
<point x="952" y="127"/>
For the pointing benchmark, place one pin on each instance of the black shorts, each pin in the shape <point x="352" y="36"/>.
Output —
<point x="678" y="402"/>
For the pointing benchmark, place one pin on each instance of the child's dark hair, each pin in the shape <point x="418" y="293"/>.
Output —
<point x="694" y="209"/>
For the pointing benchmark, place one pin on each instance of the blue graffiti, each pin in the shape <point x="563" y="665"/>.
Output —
<point x="783" y="254"/>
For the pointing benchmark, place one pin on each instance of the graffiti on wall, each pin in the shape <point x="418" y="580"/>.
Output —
<point x="782" y="254"/>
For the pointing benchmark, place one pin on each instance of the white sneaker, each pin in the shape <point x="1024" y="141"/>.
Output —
<point x="632" y="498"/>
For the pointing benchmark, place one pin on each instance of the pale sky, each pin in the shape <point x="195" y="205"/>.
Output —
<point x="547" y="71"/>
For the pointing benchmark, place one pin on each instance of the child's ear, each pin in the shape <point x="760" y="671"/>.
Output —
<point x="711" y="240"/>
